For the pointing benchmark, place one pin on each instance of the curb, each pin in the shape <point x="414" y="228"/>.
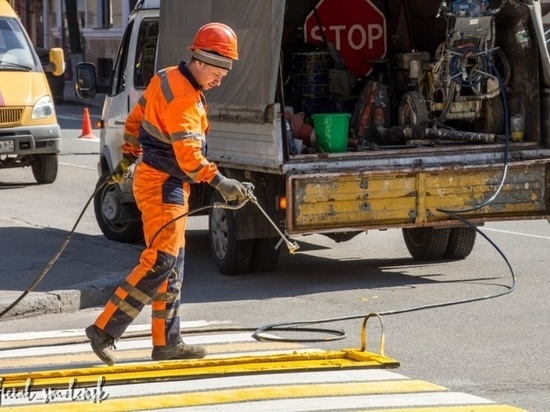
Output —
<point x="82" y="296"/>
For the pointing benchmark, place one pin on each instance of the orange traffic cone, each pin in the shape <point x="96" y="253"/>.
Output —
<point x="87" y="132"/>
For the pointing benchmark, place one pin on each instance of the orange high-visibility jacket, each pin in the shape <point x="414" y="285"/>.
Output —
<point x="169" y="124"/>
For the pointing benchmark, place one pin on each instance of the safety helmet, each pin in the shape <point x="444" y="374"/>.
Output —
<point x="215" y="44"/>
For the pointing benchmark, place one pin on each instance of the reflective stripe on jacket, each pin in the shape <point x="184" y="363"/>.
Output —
<point x="169" y="122"/>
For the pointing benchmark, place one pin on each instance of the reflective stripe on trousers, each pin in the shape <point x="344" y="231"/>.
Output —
<point x="158" y="276"/>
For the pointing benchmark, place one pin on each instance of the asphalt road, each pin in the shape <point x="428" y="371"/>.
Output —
<point x="496" y="348"/>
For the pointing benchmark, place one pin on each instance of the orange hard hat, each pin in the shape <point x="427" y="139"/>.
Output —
<point x="215" y="44"/>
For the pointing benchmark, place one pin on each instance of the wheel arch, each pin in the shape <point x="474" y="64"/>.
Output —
<point x="105" y="160"/>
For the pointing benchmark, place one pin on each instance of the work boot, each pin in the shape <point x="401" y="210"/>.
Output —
<point x="179" y="350"/>
<point x="102" y="344"/>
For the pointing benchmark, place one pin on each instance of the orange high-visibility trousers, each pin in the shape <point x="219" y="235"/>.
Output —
<point x="159" y="274"/>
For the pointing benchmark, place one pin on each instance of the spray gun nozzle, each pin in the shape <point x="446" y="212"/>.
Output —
<point x="250" y="190"/>
<point x="292" y="247"/>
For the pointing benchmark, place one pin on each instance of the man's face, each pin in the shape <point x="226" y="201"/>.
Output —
<point x="210" y="76"/>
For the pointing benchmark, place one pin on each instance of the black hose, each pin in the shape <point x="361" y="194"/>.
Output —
<point x="47" y="268"/>
<point x="453" y="213"/>
<point x="189" y="213"/>
<point x="261" y="333"/>
<point x="459" y="76"/>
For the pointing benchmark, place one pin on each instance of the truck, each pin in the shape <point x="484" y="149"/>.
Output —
<point x="427" y="116"/>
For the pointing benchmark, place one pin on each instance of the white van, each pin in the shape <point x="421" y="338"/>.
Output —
<point x="29" y="132"/>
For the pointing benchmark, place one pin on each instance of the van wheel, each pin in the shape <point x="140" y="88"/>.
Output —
<point x="232" y="256"/>
<point x="44" y="168"/>
<point x="427" y="243"/>
<point x="264" y="254"/>
<point x="108" y="211"/>
<point x="461" y="242"/>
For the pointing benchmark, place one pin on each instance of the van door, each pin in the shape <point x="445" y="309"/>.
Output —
<point x="114" y="206"/>
<point x="134" y="68"/>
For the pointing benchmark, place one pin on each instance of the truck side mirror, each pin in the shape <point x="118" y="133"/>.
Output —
<point x="85" y="85"/>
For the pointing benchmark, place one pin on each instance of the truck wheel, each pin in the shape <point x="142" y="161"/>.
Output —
<point x="461" y="242"/>
<point x="44" y="168"/>
<point x="412" y="109"/>
<point x="264" y="255"/>
<point x="108" y="210"/>
<point x="232" y="256"/>
<point x="426" y="243"/>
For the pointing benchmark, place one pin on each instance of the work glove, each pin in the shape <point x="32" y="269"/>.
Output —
<point x="232" y="189"/>
<point x="120" y="174"/>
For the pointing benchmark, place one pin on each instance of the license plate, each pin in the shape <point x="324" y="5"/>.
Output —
<point x="6" y="146"/>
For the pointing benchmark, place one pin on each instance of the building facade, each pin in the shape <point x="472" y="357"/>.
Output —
<point x="101" y="24"/>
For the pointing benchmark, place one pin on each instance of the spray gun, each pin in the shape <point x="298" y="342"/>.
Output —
<point x="292" y="246"/>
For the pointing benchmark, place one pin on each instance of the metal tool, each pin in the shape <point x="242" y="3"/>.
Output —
<point x="292" y="246"/>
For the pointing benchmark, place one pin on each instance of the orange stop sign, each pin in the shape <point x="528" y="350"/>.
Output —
<point x="356" y="28"/>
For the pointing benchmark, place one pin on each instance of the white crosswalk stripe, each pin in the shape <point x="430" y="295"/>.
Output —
<point x="57" y="370"/>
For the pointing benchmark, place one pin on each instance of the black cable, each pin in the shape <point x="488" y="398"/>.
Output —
<point x="506" y="152"/>
<point x="459" y="76"/>
<point x="47" y="268"/>
<point x="260" y="333"/>
<point x="191" y="212"/>
<point x="56" y="256"/>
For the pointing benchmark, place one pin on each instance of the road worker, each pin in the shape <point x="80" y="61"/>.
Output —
<point x="167" y="127"/>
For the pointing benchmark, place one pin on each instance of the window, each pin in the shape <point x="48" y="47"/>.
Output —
<point x="91" y="13"/>
<point x="104" y="14"/>
<point x="146" y="51"/>
<point x="118" y="81"/>
<point x="14" y="47"/>
<point x="115" y="13"/>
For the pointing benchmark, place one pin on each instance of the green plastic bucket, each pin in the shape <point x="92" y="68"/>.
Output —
<point x="331" y="130"/>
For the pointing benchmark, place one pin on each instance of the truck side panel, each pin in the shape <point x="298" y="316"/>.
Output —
<point x="258" y="146"/>
<point x="370" y="200"/>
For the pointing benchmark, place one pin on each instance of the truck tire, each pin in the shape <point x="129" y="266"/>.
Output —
<point x="108" y="209"/>
<point x="461" y="242"/>
<point x="264" y="254"/>
<point x="44" y="168"/>
<point x="232" y="256"/>
<point x="426" y="243"/>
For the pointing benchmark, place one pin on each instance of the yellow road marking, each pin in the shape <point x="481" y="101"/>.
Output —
<point x="469" y="408"/>
<point x="245" y="395"/>
<point x="135" y="354"/>
<point x="350" y="358"/>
